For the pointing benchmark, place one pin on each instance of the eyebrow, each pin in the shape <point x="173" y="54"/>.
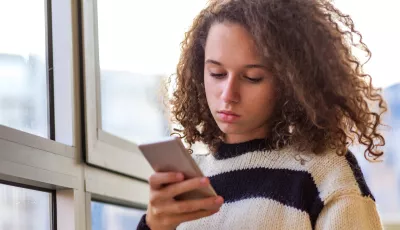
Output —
<point x="249" y="66"/>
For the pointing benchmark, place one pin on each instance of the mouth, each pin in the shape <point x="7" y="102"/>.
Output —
<point x="226" y="112"/>
<point x="227" y="116"/>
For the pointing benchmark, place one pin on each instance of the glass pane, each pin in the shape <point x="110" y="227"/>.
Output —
<point x="24" y="209"/>
<point x="23" y="82"/>
<point x="113" y="217"/>
<point x="135" y="58"/>
<point x="381" y="33"/>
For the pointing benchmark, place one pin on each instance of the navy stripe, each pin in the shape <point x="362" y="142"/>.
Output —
<point x="292" y="188"/>
<point x="351" y="159"/>
<point x="226" y="150"/>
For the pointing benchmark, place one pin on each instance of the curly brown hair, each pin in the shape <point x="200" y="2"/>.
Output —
<point x="325" y="99"/>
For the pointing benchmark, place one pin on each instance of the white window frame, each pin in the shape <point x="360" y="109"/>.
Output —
<point x="104" y="149"/>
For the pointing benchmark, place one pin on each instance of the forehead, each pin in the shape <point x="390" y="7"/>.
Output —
<point x="232" y="43"/>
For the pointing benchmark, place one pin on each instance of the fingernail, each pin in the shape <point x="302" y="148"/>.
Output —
<point x="179" y="176"/>
<point x="219" y="200"/>
<point x="204" y="180"/>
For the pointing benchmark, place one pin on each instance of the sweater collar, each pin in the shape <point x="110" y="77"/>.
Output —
<point x="226" y="150"/>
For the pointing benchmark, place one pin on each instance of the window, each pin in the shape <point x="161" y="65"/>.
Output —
<point x="108" y="216"/>
<point x="31" y="153"/>
<point x="25" y="209"/>
<point x="130" y="75"/>
<point x="135" y="59"/>
<point x="126" y="70"/>
<point x="23" y="59"/>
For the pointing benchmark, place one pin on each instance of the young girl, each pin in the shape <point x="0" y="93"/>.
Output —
<point x="274" y="91"/>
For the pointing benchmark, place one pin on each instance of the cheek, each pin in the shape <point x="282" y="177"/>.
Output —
<point x="209" y="91"/>
<point x="263" y="102"/>
<point x="211" y="88"/>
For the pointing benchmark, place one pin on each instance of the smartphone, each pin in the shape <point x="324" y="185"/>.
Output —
<point x="170" y="155"/>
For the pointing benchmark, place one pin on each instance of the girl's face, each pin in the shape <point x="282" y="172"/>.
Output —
<point x="239" y="88"/>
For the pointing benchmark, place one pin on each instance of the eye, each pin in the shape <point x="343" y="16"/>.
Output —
<point x="254" y="80"/>
<point x="217" y="75"/>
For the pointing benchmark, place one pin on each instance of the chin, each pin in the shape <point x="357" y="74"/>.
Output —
<point x="229" y="128"/>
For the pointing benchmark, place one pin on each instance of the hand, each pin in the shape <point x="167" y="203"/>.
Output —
<point x="165" y="213"/>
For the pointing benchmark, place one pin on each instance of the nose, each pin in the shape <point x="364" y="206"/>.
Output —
<point x="230" y="91"/>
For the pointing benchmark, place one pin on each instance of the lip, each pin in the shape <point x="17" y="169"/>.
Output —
<point x="227" y="116"/>
<point x="227" y="112"/>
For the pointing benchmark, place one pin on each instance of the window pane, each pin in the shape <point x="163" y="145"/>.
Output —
<point x="23" y="82"/>
<point x="113" y="217"/>
<point x="135" y="57"/>
<point x="24" y="209"/>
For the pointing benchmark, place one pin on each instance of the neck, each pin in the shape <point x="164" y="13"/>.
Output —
<point x="240" y="138"/>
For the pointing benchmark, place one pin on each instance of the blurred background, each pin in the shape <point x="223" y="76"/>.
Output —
<point x="136" y="55"/>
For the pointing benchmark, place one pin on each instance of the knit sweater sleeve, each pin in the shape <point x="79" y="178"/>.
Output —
<point x="349" y="212"/>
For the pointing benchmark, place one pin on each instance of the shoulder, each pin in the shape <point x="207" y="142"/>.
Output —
<point x="336" y="175"/>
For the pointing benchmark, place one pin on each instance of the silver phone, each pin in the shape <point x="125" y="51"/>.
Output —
<point x="170" y="155"/>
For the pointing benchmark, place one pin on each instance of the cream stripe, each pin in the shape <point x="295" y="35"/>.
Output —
<point x="349" y="212"/>
<point x="254" y="214"/>
<point x="284" y="159"/>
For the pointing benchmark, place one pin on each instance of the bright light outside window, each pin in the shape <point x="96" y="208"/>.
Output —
<point x="23" y="78"/>
<point x="381" y="32"/>
<point x="113" y="217"/>
<point x="24" y="209"/>
<point x="138" y="50"/>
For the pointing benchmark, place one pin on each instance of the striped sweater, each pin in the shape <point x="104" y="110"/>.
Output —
<point x="282" y="189"/>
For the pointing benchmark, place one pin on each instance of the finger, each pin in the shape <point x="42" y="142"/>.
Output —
<point x="188" y="206"/>
<point x="158" y="180"/>
<point x="185" y="186"/>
